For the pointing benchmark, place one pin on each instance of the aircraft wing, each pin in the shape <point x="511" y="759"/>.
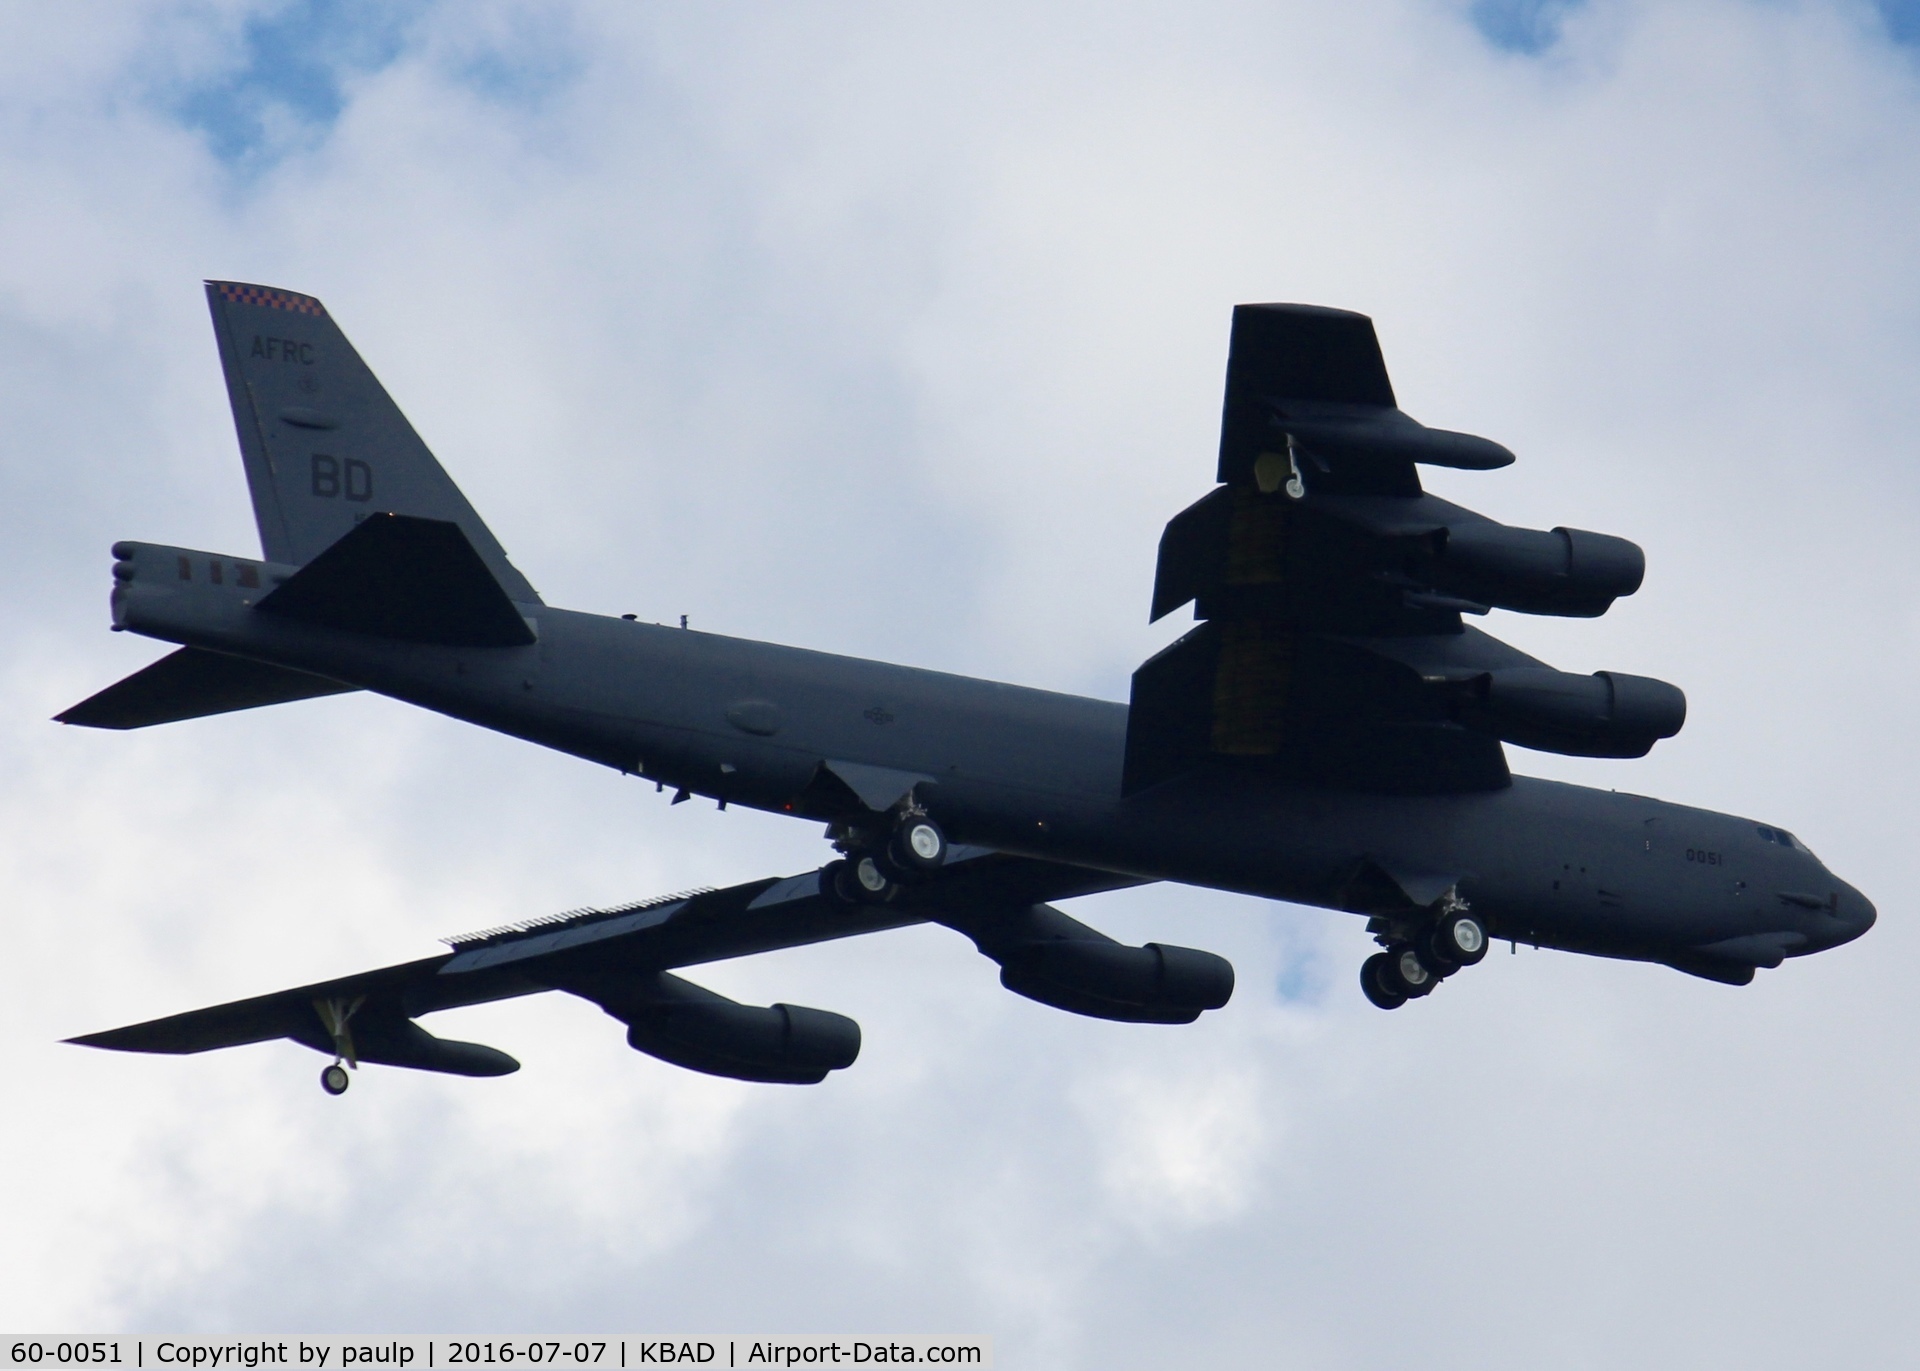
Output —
<point x="621" y="959"/>
<point x="1330" y="587"/>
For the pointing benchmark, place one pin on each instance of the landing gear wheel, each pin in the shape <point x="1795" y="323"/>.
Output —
<point x="842" y="880"/>
<point x="1378" y="982"/>
<point x="874" y="885"/>
<point x="861" y="880"/>
<point x="1433" y="956"/>
<point x="1408" y="974"/>
<point x="1460" y="938"/>
<point x="335" y="1080"/>
<point x="918" y="847"/>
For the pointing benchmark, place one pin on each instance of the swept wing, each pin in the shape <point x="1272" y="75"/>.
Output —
<point x="622" y="959"/>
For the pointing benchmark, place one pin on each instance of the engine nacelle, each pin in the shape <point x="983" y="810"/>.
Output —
<point x="1109" y="980"/>
<point x="1564" y="571"/>
<point x="690" y="1026"/>
<point x="1607" y="714"/>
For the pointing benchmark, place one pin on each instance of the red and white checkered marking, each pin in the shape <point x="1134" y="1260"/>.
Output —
<point x="271" y="299"/>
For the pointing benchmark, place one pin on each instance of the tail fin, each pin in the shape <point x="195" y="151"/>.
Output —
<point x="323" y="442"/>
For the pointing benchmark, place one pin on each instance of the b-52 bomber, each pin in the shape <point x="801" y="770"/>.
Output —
<point x="1330" y="732"/>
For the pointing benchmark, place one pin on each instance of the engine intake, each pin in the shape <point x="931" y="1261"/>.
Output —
<point x="1607" y="714"/>
<point x="1564" y="571"/>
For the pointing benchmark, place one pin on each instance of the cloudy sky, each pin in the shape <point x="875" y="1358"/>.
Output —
<point x="899" y="330"/>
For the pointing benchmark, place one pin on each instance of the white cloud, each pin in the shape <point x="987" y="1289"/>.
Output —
<point x="802" y="321"/>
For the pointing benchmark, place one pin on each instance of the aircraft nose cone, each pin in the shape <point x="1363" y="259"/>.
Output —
<point x="1853" y="914"/>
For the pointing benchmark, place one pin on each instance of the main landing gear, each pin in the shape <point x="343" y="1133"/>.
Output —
<point x="1417" y="956"/>
<point x="335" y="1080"/>
<point x="880" y="859"/>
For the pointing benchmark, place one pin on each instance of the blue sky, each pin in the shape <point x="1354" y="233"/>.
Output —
<point x="294" y="60"/>
<point x="284" y="69"/>
<point x="283" y="83"/>
<point x="1533" y="26"/>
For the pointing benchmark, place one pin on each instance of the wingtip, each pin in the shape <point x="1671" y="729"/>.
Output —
<point x="74" y="717"/>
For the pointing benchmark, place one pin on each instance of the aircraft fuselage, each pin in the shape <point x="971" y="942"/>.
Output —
<point x="1038" y="773"/>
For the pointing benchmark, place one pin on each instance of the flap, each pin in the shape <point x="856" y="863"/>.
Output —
<point x="1327" y="712"/>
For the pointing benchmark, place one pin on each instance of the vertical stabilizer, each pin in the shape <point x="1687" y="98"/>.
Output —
<point x="323" y="442"/>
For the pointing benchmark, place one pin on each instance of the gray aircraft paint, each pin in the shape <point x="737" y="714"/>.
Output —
<point x="1032" y="774"/>
<point x="1036" y="773"/>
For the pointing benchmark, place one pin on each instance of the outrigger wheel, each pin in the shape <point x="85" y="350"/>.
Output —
<point x="335" y="1080"/>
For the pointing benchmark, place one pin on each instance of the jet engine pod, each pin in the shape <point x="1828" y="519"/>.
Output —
<point x="1564" y="571"/>
<point x="1109" y="980"/>
<point x="783" y="1044"/>
<point x="1607" y="714"/>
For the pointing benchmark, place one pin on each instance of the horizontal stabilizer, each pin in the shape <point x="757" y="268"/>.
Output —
<point x="397" y="576"/>
<point x="191" y="684"/>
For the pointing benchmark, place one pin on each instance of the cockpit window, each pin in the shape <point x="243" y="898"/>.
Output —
<point x="1784" y="838"/>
